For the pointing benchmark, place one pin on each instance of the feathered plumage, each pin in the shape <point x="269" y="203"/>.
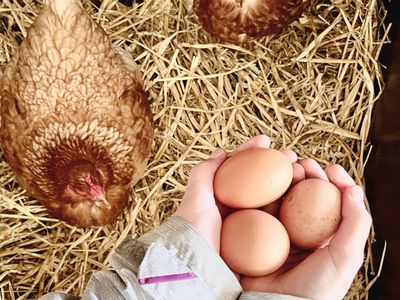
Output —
<point x="76" y="124"/>
<point x="235" y="21"/>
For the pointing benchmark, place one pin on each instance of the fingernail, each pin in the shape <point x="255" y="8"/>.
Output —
<point x="266" y="141"/>
<point x="217" y="153"/>
<point x="357" y="193"/>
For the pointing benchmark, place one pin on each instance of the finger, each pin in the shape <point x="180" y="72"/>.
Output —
<point x="347" y="246"/>
<point x="290" y="154"/>
<point x="200" y="183"/>
<point x="339" y="177"/>
<point x="312" y="169"/>
<point x="298" y="173"/>
<point x="292" y="261"/>
<point x="259" y="141"/>
<point x="203" y="173"/>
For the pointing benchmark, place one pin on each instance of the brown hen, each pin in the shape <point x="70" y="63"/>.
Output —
<point x="76" y="124"/>
<point x="235" y="21"/>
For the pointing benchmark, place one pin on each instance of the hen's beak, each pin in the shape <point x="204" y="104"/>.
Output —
<point x="98" y="195"/>
<point x="102" y="202"/>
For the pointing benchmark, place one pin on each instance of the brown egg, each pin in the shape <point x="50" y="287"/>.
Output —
<point x="253" y="178"/>
<point x="311" y="213"/>
<point x="237" y="21"/>
<point x="253" y="243"/>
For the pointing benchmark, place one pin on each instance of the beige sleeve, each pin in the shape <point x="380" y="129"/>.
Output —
<point x="171" y="262"/>
<point x="176" y="248"/>
<point x="267" y="296"/>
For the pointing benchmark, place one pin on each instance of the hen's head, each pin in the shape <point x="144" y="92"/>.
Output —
<point x="86" y="183"/>
<point x="84" y="173"/>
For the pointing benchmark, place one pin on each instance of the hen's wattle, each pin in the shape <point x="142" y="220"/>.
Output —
<point x="76" y="124"/>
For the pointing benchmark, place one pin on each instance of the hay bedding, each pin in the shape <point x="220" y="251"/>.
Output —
<point x="312" y="90"/>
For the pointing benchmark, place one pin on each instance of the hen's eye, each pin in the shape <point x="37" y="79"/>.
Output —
<point x="77" y="189"/>
<point x="80" y="186"/>
<point x="95" y="180"/>
<point x="97" y="177"/>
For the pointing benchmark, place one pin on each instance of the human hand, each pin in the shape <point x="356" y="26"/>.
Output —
<point x="199" y="206"/>
<point x="328" y="272"/>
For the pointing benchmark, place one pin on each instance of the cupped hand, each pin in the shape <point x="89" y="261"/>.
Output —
<point x="328" y="272"/>
<point x="199" y="206"/>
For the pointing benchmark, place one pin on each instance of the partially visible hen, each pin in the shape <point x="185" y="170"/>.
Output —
<point x="236" y="21"/>
<point x="76" y="124"/>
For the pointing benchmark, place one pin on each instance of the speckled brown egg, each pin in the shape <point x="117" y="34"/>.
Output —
<point x="311" y="213"/>
<point x="236" y="21"/>
<point x="253" y="178"/>
<point x="253" y="243"/>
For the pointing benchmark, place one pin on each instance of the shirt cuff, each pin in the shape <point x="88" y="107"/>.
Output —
<point x="175" y="248"/>
<point x="267" y="296"/>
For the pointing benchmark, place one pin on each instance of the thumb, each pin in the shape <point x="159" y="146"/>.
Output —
<point x="347" y="246"/>
<point x="202" y="175"/>
<point x="200" y="191"/>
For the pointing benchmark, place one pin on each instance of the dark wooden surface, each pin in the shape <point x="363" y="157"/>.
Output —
<point x="383" y="169"/>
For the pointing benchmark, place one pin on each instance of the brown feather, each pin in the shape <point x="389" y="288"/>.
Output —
<point x="236" y="21"/>
<point x="69" y="95"/>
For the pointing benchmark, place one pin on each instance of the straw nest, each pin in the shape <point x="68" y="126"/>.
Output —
<point x="312" y="89"/>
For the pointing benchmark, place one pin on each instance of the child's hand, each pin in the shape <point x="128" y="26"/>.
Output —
<point x="328" y="272"/>
<point x="199" y="206"/>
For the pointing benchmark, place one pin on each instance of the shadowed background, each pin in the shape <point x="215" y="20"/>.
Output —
<point x="383" y="169"/>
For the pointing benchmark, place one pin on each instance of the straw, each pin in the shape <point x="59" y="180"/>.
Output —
<point x="311" y="89"/>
